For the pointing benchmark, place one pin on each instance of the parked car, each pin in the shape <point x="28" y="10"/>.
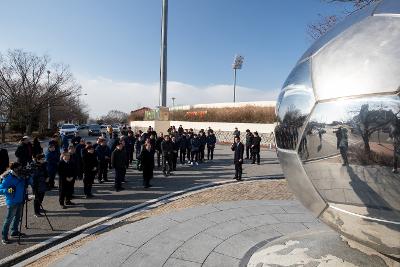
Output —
<point x="68" y="130"/>
<point x="94" y="130"/>
<point x="82" y="127"/>
<point x="116" y="128"/>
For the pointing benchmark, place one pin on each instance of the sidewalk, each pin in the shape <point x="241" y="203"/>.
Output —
<point x="213" y="235"/>
<point x="107" y="201"/>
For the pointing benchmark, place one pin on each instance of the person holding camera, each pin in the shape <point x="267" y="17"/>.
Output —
<point x="66" y="173"/>
<point x="40" y="179"/>
<point x="13" y="186"/>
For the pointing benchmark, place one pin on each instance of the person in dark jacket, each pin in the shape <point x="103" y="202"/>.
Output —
<point x="24" y="152"/>
<point x="74" y="158"/>
<point x="118" y="159"/>
<point x="103" y="153"/>
<point x="175" y="145"/>
<point x="130" y="146"/>
<point x="4" y="160"/>
<point x="66" y="174"/>
<point x="182" y="148"/>
<point x="211" y="141"/>
<point x="194" y="149"/>
<point x="65" y="142"/>
<point x="40" y="182"/>
<point x="167" y="150"/>
<point x="236" y="132"/>
<point x="90" y="165"/>
<point x="255" y="148"/>
<point x="76" y="139"/>
<point x="52" y="159"/>
<point x="147" y="158"/>
<point x="13" y="187"/>
<point x="159" y="140"/>
<point x="79" y="152"/>
<point x="37" y="148"/>
<point x="238" y="149"/>
<point x="203" y="143"/>
<point x="249" y="142"/>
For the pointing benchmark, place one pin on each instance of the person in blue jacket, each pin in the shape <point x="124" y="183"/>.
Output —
<point x="52" y="159"/>
<point x="13" y="187"/>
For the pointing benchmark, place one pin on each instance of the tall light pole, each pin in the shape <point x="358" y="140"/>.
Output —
<point x="163" y="63"/>
<point x="48" y="102"/>
<point x="237" y="65"/>
<point x="173" y="101"/>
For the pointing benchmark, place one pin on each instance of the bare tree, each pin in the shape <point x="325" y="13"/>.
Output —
<point x="115" y="116"/>
<point x="28" y="87"/>
<point x="318" y="28"/>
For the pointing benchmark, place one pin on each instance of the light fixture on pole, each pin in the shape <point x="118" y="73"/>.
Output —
<point x="173" y="101"/>
<point x="237" y="65"/>
<point x="48" y="102"/>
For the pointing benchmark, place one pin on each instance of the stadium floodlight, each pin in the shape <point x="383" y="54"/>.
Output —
<point x="237" y="65"/>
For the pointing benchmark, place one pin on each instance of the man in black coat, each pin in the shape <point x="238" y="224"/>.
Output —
<point x="118" y="161"/>
<point x="103" y="153"/>
<point x="66" y="173"/>
<point x="211" y="141"/>
<point x="4" y="160"/>
<point x="249" y="142"/>
<point x="24" y="151"/>
<point x="167" y="150"/>
<point x="255" y="148"/>
<point x="238" y="149"/>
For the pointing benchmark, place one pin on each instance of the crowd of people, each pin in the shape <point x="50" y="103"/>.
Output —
<point x="77" y="159"/>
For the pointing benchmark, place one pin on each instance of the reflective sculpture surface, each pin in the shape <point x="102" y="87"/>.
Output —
<point x="338" y="132"/>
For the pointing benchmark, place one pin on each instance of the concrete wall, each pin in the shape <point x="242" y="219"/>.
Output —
<point x="226" y="105"/>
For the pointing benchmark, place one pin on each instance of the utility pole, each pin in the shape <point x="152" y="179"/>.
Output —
<point x="163" y="63"/>
<point x="48" y="102"/>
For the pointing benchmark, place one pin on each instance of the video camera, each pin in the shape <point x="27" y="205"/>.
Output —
<point x="26" y="172"/>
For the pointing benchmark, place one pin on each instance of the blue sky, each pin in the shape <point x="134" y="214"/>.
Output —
<point x="113" y="47"/>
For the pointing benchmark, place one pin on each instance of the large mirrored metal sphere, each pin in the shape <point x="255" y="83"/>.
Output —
<point x="338" y="132"/>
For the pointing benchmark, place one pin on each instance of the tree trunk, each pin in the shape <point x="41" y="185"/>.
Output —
<point x="3" y="134"/>
<point x="28" y="128"/>
<point x="367" y="148"/>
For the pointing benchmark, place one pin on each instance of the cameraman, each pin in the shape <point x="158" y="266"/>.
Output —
<point x="13" y="187"/>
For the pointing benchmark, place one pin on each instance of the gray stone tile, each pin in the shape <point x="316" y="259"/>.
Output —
<point x="258" y="220"/>
<point x="316" y="226"/>
<point x="191" y="213"/>
<point x="239" y="204"/>
<point x="295" y="217"/>
<point x="287" y="228"/>
<point x="295" y="209"/>
<point x="154" y="253"/>
<point x="172" y="262"/>
<point x="265" y="209"/>
<point x="102" y="254"/>
<point x="186" y="230"/>
<point x="227" y="229"/>
<point x="227" y="215"/>
<point x="198" y="248"/>
<point x="238" y="245"/>
<point x="219" y="260"/>
<point x="136" y="234"/>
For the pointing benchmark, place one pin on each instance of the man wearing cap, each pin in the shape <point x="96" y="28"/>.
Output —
<point x="24" y="151"/>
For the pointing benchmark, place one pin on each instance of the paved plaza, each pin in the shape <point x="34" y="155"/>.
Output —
<point x="107" y="201"/>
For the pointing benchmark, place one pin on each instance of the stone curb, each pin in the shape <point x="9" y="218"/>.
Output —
<point x="42" y="249"/>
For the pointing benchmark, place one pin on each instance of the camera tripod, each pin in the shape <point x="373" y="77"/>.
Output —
<point x="25" y="205"/>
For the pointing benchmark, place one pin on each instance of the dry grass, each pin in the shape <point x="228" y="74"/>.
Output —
<point x="248" y="114"/>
